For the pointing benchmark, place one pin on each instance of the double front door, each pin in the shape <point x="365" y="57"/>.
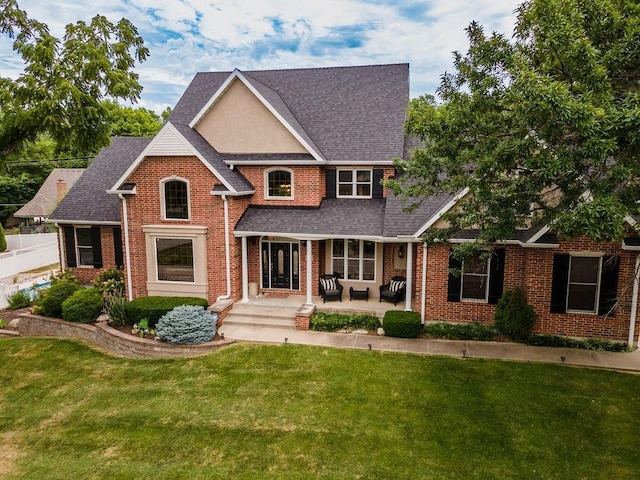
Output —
<point x="280" y="265"/>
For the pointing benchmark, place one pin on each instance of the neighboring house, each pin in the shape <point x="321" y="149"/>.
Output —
<point x="52" y="191"/>
<point x="273" y="178"/>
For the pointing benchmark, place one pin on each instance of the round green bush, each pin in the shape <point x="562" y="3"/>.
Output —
<point x="186" y="325"/>
<point x="514" y="317"/>
<point x="3" y="240"/>
<point x="401" y="324"/>
<point x="84" y="306"/>
<point x="50" y="304"/>
<point x="20" y="299"/>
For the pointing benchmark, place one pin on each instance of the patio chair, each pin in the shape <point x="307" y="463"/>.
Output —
<point x="330" y="288"/>
<point x="394" y="290"/>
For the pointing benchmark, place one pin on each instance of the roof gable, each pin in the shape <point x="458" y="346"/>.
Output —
<point x="254" y="119"/>
<point x="49" y="195"/>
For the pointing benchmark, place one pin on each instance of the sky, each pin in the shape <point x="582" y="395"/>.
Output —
<point x="189" y="36"/>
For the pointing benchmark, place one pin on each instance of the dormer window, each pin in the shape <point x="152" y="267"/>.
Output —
<point x="176" y="199"/>
<point x="354" y="183"/>
<point x="279" y="184"/>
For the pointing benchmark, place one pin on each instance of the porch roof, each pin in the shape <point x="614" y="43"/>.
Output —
<point x="333" y="218"/>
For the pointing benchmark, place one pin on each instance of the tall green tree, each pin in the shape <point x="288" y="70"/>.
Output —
<point x="65" y="81"/>
<point x="543" y="127"/>
<point x="132" y="122"/>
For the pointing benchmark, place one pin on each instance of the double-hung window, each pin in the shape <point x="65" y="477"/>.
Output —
<point x="175" y="199"/>
<point x="279" y="184"/>
<point x="354" y="259"/>
<point x="354" y="183"/>
<point x="84" y="245"/>
<point x="583" y="285"/>
<point x="475" y="278"/>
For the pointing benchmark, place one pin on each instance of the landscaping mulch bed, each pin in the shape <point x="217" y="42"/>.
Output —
<point x="8" y="315"/>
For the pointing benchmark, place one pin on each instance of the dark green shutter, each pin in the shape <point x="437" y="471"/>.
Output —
<point x="609" y="285"/>
<point x="97" y="247"/>
<point x="377" y="190"/>
<point x="117" y="247"/>
<point x="455" y="281"/>
<point x="70" y="246"/>
<point x="496" y="275"/>
<point x="330" y="178"/>
<point x="559" y="283"/>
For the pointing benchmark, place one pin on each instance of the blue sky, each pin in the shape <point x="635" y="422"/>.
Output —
<point x="188" y="36"/>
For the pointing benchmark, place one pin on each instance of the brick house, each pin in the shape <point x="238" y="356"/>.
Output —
<point x="272" y="178"/>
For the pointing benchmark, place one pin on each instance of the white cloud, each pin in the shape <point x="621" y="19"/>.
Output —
<point x="186" y="36"/>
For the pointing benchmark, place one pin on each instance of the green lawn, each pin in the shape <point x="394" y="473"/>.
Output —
<point x="249" y="411"/>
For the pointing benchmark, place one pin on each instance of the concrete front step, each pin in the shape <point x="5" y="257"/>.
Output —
<point x="261" y="315"/>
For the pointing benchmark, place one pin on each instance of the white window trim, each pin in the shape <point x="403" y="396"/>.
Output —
<point x="486" y="287"/>
<point x="155" y="239"/>
<point x="354" y="182"/>
<point x="266" y="184"/>
<point x="75" y="235"/>
<point x="596" y="304"/>
<point x="163" y="203"/>
<point x="361" y="259"/>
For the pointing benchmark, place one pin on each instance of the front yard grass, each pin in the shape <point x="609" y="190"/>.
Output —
<point x="289" y="411"/>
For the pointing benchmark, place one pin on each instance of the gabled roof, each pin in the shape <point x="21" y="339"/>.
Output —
<point x="88" y="201"/>
<point x="346" y="114"/>
<point x="47" y="197"/>
<point x="183" y="140"/>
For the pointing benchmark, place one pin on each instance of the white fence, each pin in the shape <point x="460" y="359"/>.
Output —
<point x="30" y="258"/>
<point x="17" y="242"/>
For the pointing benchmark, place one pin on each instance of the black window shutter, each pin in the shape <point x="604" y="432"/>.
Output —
<point x="496" y="275"/>
<point x="608" y="285"/>
<point x="377" y="189"/>
<point x="455" y="281"/>
<point x="330" y="177"/>
<point x="97" y="247"/>
<point x="70" y="246"/>
<point x="117" y="247"/>
<point x="559" y="283"/>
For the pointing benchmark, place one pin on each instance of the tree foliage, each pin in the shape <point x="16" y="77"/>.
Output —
<point x="132" y="122"/>
<point x="65" y="81"/>
<point x="543" y="127"/>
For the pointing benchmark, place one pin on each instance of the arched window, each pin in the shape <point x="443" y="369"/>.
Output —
<point x="176" y="199"/>
<point x="279" y="184"/>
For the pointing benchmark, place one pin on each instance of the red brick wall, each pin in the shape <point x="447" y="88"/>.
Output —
<point x="531" y="270"/>
<point x="308" y="185"/>
<point x="87" y="274"/>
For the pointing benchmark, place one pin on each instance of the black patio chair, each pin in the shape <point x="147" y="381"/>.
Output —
<point x="393" y="291"/>
<point x="330" y="288"/>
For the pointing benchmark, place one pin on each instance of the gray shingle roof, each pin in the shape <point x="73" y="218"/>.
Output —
<point x="353" y="114"/>
<point x="398" y="222"/>
<point x="334" y="218"/>
<point x="46" y="199"/>
<point x="87" y="201"/>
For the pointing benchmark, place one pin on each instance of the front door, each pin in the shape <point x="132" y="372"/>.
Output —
<point x="280" y="265"/>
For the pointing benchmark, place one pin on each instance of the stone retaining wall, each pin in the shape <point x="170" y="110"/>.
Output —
<point x="110" y="339"/>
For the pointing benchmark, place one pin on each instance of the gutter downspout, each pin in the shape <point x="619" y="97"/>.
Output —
<point x="63" y="260"/>
<point x="127" y="251"/>
<point x="423" y="302"/>
<point x="227" y="254"/>
<point x="634" y="303"/>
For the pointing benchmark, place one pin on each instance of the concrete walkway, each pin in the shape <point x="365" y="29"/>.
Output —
<point x="452" y="348"/>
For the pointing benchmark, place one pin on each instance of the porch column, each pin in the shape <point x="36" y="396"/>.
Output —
<point x="245" y="271"/>
<point x="634" y="303"/>
<point x="309" y="274"/>
<point x="409" y="285"/>
<point x="423" y="300"/>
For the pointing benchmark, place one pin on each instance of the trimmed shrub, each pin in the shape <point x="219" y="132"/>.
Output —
<point x="461" y="331"/>
<point x="64" y="276"/>
<point x="514" y="317"/>
<point x="84" y="306"/>
<point x="401" y="324"/>
<point x="586" y="344"/>
<point x="153" y="308"/>
<point x="110" y="282"/>
<point x="3" y="240"/>
<point x="186" y="325"/>
<point x="333" y="321"/>
<point x="19" y="299"/>
<point x="50" y="304"/>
